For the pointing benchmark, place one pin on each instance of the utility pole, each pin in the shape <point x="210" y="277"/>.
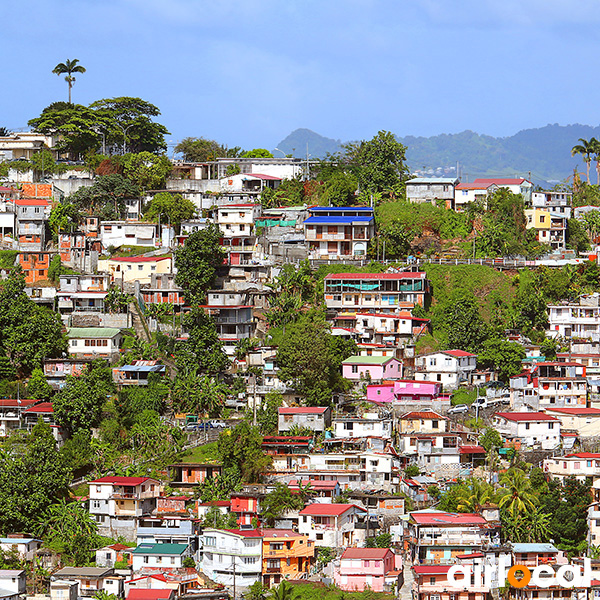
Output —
<point x="233" y="559"/>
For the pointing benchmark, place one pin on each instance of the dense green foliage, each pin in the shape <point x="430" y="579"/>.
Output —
<point x="31" y="480"/>
<point x="198" y="261"/>
<point x="168" y="207"/>
<point x="310" y="358"/>
<point x="28" y="332"/>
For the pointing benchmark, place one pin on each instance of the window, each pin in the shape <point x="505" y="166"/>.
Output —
<point x="526" y="425"/>
<point x="140" y="267"/>
<point x="432" y="581"/>
<point x="145" y="560"/>
<point x="434" y="424"/>
<point x="355" y="368"/>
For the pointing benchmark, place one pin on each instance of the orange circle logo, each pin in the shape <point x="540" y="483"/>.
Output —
<point x="518" y="583"/>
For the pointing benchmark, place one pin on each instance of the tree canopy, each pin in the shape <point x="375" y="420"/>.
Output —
<point x="198" y="260"/>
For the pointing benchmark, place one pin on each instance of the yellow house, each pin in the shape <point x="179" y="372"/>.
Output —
<point x="135" y="268"/>
<point x="287" y="554"/>
<point x="550" y="227"/>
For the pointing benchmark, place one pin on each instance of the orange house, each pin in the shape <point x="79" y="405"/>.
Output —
<point x="286" y="555"/>
<point x="35" y="266"/>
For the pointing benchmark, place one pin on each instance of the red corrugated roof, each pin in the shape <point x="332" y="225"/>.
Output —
<point x="423" y="414"/>
<point x="443" y="519"/>
<point x="471" y="450"/>
<point x="262" y="176"/>
<point x="584" y="455"/>
<point x="302" y="410"/>
<point x="152" y="594"/>
<point x="10" y="402"/>
<point x="410" y="275"/>
<point x="431" y="569"/>
<point x="44" y="407"/>
<point x="31" y="202"/>
<point x="246" y="532"/>
<point x="473" y="186"/>
<point x="595" y="412"/>
<point x="458" y="353"/>
<point x="130" y="481"/>
<point x="525" y="416"/>
<point x="328" y="509"/>
<point x="366" y="553"/>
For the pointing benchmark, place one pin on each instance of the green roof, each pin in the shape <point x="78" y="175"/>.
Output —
<point x="367" y="360"/>
<point x="92" y="332"/>
<point x="174" y="549"/>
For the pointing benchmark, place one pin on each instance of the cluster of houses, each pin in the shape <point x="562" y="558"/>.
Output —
<point x="351" y="464"/>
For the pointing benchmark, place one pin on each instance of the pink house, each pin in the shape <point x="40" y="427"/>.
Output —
<point x="374" y="368"/>
<point x="404" y="391"/>
<point x="368" y="567"/>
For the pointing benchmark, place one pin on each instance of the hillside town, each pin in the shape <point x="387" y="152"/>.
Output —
<point x="227" y="374"/>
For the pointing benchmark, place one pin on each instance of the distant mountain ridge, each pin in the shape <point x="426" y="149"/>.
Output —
<point x="545" y="152"/>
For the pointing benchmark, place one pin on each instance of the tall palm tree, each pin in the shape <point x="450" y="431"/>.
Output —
<point x="69" y="67"/>
<point x="518" y="496"/>
<point x="477" y="493"/>
<point x="586" y="150"/>
<point x="595" y="146"/>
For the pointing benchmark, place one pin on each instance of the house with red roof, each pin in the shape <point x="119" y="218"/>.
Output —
<point x="447" y="367"/>
<point x="233" y="556"/>
<point x="431" y="583"/>
<point x="372" y="568"/>
<point x="580" y="465"/>
<point x="317" y="418"/>
<point x="157" y="594"/>
<point x="470" y="193"/>
<point x="584" y="421"/>
<point x="530" y="429"/>
<point x="129" y="269"/>
<point x="11" y="413"/>
<point x="117" y="503"/>
<point x="375" y="292"/>
<point x="438" y="537"/>
<point x="109" y="555"/>
<point x="333" y="525"/>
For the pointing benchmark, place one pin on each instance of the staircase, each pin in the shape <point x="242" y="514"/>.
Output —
<point x="406" y="589"/>
<point x="139" y="323"/>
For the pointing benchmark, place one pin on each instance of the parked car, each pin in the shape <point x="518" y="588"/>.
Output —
<point x="458" y="409"/>
<point x="218" y="424"/>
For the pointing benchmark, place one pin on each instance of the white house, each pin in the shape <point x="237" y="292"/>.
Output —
<point x="159" y="556"/>
<point x="116" y="503"/>
<point x="331" y="525"/>
<point x="577" y="320"/>
<point x="530" y="428"/>
<point x="94" y="342"/>
<point x="13" y="580"/>
<point x="585" y="421"/>
<point x="448" y="367"/>
<point x="232" y="556"/>
<point x="369" y="425"/>
<point x="127" y="233"/>
<point x="581" y="466"/>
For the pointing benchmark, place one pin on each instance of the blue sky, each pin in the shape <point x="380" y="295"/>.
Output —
<point x="248" y="72"/>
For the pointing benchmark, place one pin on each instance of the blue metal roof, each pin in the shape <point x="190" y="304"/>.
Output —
<point x="337" y="220"/>
<point x="142" y="368"/>
<point x="341" y="208"/>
